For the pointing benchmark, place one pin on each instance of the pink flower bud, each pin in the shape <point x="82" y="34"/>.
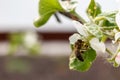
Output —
<point x="117" y="59"/>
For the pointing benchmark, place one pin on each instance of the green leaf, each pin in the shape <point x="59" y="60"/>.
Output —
<point x="90" y="55"/>
<point x="82" y="66"/>
<point x="34" y="50"/>
<point x="46" y="9"/>
<point x="93" y="9"/>
<point x="107" y="17"/>
<point x="94" y="30"/>
<point x="16" y="39"/>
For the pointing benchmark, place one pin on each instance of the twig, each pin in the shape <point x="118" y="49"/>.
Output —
<point x="57" y="17"/>
<point x="73" y="16"/>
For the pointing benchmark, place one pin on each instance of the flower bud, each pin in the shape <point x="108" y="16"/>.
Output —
<point x="117" y="58"/>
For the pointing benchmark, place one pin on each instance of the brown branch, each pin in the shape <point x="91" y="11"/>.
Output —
<point x="71" y="16"/>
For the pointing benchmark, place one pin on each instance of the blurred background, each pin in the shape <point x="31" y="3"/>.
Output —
<point x="29" y="53"/>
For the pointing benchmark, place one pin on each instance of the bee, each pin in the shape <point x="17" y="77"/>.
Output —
<point x="79" y="48"/>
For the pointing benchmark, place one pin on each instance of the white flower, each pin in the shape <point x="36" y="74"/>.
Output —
<point x="81" y="29"/>
<point x="68" y="5"/>
<point x="97" y="45"/>
<point x="74" y="38"/>
<point x="117" y="19"/>
<point x="117" y="36"/>
<point x="117" y="58"/>
<point x="84" y="35"/>
<point x="30" y="39"/>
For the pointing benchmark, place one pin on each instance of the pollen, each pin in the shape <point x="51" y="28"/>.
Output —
<point x="90" y="11"/>
<point x="95" y="7"/>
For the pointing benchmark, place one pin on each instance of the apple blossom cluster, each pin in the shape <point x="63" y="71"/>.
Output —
<point x="94" y="37"/>
<point x="28" y="41"/>
<point x="91" y="36"/>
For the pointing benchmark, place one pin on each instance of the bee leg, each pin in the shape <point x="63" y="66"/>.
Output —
<point x="79" y="56"/>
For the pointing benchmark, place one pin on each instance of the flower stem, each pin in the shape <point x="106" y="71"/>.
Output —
<point x="109" y="51"/>
<point x="99" y="18"/>
<point x="74" y="16"/>
<point x="78" y="16"/>
<point x="118" y="49"/>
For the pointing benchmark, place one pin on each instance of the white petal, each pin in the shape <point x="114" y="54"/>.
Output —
<point x="30" y="39"/>
<point x="117" y="19"/>
<point x="115" y="31"/>
<point x="74" y="38"/>
<point x="117" y="59"/>
<point x="67" y="5"/>
<point x="117" y="36"/>
<point x="97" y="46"/>
<point x="80" y="28"/>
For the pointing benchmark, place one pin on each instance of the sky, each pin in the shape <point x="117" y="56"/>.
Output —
<point x="16" y="15"/>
